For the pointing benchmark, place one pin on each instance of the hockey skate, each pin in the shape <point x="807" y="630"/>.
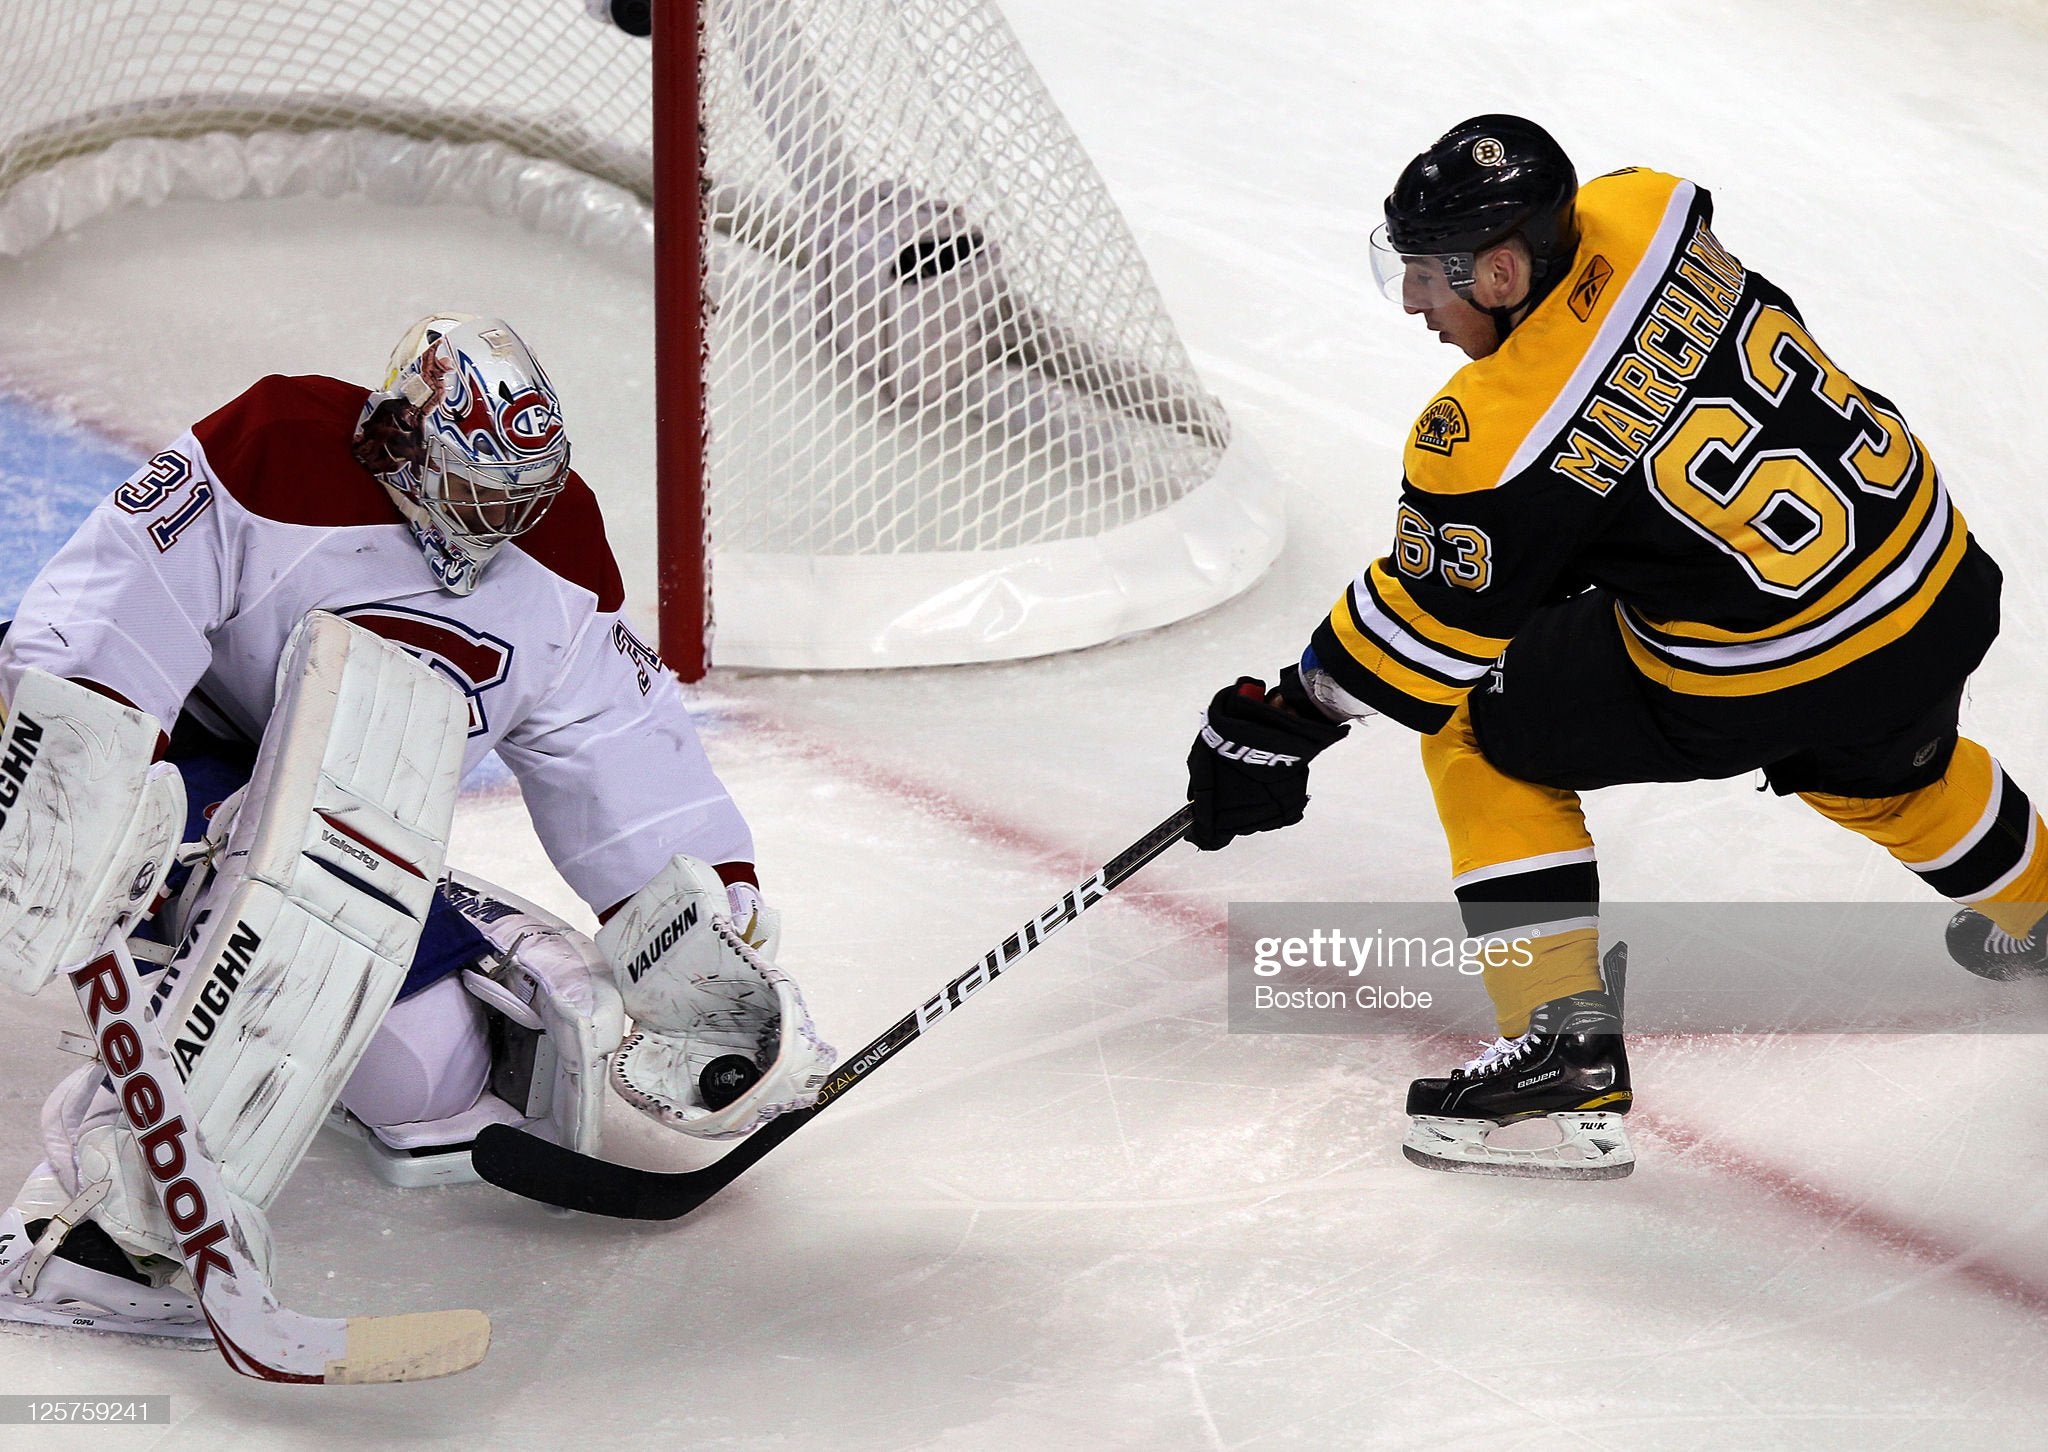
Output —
<point x="1570" y="1069"/>
<point x="1988" y="951"/>
<point x="64" y="1270"/>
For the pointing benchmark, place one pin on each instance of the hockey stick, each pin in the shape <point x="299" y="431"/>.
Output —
<point x="256" y="1336"/>
<point x="542" y="1170"/>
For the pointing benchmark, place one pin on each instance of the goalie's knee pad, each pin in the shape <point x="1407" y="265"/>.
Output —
<point x="699" y="992"/>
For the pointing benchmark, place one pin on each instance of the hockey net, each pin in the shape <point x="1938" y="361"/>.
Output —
<point x="947" y="415"/>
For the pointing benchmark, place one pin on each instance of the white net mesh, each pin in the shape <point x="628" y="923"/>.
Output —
<point x="949" y="416"/>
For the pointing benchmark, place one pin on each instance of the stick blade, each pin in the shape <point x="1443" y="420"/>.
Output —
<point x="542" y="1170"/>
<point x="413" y="1347"/>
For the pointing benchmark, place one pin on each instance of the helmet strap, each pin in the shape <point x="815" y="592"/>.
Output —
<point x="1542" y="282"/>
<point x="1504" y="319"/>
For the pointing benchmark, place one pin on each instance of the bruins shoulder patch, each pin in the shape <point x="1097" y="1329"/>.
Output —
<point x="1442" y="426"/>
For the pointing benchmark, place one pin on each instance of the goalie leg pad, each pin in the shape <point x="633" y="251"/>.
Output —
<point x="698" y="991"/>
<point x="87" y="824"/>
<point x="302" y="937"/>
<point x="90" y="1155"/>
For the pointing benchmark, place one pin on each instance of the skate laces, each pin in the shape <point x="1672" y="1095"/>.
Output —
<point x="1498" y="1054"/>
<point x="2000" y="941"/>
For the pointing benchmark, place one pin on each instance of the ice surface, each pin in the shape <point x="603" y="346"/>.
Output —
<point x="1082" y="1215"/>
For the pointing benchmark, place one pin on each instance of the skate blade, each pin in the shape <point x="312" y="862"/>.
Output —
<point x="30" y="1316"/>
<point x="1590" y="1147"/>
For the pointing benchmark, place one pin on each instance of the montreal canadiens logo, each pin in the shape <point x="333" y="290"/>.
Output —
<point x="473" y="660"/>
<point x="527" y="422"/>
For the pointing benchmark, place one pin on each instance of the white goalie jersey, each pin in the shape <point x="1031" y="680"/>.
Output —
<point x="180" y="589"/>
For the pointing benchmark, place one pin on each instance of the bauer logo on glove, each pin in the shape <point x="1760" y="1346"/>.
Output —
<point x="1248" y="768"/>
<point x="1249" y="755"/>
<point x="722" y="1041"/>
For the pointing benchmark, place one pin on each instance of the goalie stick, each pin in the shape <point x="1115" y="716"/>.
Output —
<point x="544" y="1171"/>
<point x="256" y="1336"/>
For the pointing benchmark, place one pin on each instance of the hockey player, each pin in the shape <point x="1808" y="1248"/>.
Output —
<point x="1650" y="532"/>
<point x="338" y="600"/>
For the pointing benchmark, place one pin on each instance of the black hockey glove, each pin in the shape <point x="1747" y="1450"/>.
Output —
<point x="1248" y="769"/>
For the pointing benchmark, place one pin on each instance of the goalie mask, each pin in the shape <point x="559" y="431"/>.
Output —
<point x="467" y="436"/>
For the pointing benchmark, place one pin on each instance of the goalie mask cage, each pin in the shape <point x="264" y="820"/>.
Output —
<point x="919" y="398"/>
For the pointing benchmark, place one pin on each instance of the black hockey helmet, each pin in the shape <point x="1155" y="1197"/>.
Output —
<point x="1480" y="183"/>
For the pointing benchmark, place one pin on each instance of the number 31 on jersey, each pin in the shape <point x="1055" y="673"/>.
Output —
<point x="160" y="480"/>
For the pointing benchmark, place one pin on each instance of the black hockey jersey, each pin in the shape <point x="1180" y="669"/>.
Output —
<point x="1662" y="424"/>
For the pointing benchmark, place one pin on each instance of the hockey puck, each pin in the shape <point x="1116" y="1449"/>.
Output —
<point x="725" y="1079"/>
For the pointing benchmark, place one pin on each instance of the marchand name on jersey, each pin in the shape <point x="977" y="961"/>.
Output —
<point x="1672" y="340"/>
<point x="197" y="1030"/>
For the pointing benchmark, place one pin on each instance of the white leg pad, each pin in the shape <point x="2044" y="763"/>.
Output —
<point x="87" y="825"/>
<point x="301" y="941"/>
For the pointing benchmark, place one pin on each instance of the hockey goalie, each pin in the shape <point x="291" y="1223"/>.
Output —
<point x="240" y="700"/>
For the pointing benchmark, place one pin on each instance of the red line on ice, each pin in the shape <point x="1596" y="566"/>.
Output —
<point x="1840" y="1211"/>
<point x="1836" y="1210"/>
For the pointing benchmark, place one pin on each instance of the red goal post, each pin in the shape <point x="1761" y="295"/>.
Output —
<point x="919" y="400"/>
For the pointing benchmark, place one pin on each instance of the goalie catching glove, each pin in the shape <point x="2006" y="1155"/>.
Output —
<point x="700" y="988"/>
<point x="1248" y="768"/>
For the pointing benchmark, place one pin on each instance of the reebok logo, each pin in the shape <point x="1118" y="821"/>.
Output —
<point x="661" y="942"/>
<point x="1249" y="755"/>
<point x="24" y="742"/>
<point x="102" y="990"/>
<point x="1586" y="291"/>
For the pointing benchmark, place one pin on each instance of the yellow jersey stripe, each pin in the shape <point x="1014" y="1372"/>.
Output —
<point x="1387" y="586"/>
<point x="1875" y="636"/>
